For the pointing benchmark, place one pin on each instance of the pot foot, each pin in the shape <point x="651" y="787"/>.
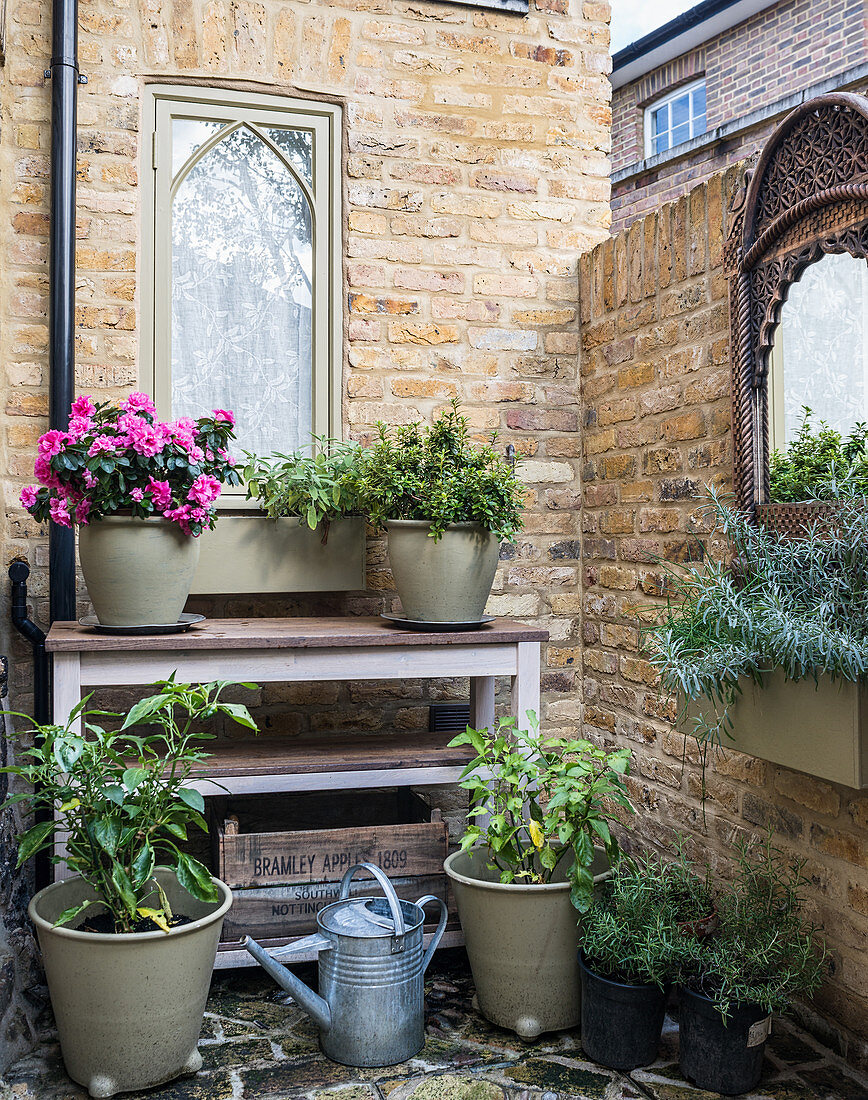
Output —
<point x="193" y="1063"/>
<point x="101" y="1085"/>
<point x="527" y="1029"/>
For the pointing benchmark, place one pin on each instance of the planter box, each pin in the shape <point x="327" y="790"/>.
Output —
<point x="818" y="729"/>
<point x="282" y="877"/>
<point x="248" y="554"/>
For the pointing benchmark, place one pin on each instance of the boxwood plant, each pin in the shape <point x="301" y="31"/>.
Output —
<point x="440" y="474"/>
<point x="120" y="797"/>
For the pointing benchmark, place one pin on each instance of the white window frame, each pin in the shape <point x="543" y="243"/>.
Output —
<point x="666" y="101"/>
<point x="162" y="103"/>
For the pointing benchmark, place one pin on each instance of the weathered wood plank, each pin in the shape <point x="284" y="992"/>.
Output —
<point x="281" y="912"/>
<point x="323" y="855"/>
<point x="286" y="633"/>
<point x="261" y="756"/>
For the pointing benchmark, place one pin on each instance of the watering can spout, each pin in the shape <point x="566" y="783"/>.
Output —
<point x="313" y="1005"/>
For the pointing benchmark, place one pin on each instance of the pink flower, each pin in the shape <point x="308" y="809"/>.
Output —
<point x="160" y="492"/>
<point x="145" y="439"/>
<point x="204" y="490"/>
<point x="82" y="511"/>
<point x="79" y="426"/>
<point x="28" y="496"/>
<point x="139" y="402"/>
<point x="52" y="443"/>
<point x="88" y="478"/>
<point x="137" y="494"/>
<point x="60" y="512"/>
<point x="180" y="515"/>
<point x="103" y="444"/>
<point x="44" y="473"/>
<point x="83" y="406"/>
<point x="225" y="414"/>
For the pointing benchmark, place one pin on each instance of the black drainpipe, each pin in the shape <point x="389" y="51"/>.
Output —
<point x="64" y="78"/>
<point x="19" y="571"/>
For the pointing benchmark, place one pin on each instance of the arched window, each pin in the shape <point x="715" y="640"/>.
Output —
<point x="245" y="303"/>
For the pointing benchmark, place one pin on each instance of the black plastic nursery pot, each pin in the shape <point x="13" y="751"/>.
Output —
<point x="621" y="1023"/>
<point x="720" y="1057"/>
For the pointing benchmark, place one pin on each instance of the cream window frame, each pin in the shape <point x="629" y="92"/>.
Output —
<point x="163" y="103"/>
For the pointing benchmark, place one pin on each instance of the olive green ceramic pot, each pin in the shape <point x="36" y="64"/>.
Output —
<point x="522" y="943"/>
<point x="444" y="581"/>
<point x="128" y="1007"/>
<point x="138" y="571"/>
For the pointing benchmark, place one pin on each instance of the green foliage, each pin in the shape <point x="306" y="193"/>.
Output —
<point x="316" y="487"/>
<point x="120" y="797"/>
<point x="439" y="474"/>
<point x="764" y="951"/>
<point x="631" y="934"/>
<point x="798" y="604"/>
<point x="820" y="465"/>
<point x="540" y="799"/>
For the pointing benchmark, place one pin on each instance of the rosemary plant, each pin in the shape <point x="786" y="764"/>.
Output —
<point x="800" y="605"/>
<point x="542" y="801"/>
<point x="630" y="933"/>
<point x="765" y="952"/>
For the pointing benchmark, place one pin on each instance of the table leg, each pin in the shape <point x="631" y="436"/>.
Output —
<point x="67" y="693"/>
<point x="525" y="683"/>
<point x="482" y="702"/>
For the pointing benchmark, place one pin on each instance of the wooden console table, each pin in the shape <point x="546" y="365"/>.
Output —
<point x="309" y="649"/>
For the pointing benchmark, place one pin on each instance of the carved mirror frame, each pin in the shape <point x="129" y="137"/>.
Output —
<point x="807" y="196"/>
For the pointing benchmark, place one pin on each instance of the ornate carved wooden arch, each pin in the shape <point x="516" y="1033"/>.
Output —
<point x="807" y="196"/>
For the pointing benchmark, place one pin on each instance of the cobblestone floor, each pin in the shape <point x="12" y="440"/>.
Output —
<point x="258" y="1046"/>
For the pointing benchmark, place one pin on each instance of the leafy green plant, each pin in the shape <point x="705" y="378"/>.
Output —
<point x="316" y="487"/>
<point x="820" y="465"/>
<point x="690" y="895"/>
<point x="541" y="800"/>
<point x="630" y="933"/>
<point x="439" y="474"/>
<point x="797" y="604"/>
<point x="120" y="797"/>
<point x="765" y="952"/>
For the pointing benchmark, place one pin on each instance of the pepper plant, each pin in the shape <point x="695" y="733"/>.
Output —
<point x="121" y="797"/>
<point x="538" y="801"/>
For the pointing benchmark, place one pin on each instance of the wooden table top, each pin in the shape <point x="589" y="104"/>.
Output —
<point x="285" y="633"/>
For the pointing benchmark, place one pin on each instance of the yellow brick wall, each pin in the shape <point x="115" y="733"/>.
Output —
<point x="475" y="171"/>
<point x="655" y="381"/>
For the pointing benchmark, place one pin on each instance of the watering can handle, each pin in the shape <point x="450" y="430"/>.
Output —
<point x="388" y="890"/>
<point x="441" y="927"/>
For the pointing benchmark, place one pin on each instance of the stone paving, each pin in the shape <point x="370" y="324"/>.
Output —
<point x="258" y="1045"/>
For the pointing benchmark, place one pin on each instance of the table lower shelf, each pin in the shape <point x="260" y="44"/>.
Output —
<point x="232" y="955"/>
<point x="259" y="766"/>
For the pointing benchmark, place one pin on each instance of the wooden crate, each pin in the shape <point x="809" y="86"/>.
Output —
<point x="282" y="877"/>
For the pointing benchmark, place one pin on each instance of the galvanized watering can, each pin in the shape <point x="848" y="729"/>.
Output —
<point x="371" y="1011"/>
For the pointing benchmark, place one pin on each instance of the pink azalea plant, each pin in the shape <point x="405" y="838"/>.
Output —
<point x="120" y="459"/>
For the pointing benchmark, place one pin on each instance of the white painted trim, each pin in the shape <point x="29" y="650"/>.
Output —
<point x="664" y="100"/>
<point x="686" y="41"/>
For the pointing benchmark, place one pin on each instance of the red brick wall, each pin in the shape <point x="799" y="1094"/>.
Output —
<point x="785" y="48"/>
<point x="655" y="403"/>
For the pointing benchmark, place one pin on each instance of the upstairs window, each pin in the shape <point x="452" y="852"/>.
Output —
<point x="676" y="118"/>
<point x="244" y="292"/>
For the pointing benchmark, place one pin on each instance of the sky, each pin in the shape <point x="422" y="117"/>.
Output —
<point x="631" y="19"/>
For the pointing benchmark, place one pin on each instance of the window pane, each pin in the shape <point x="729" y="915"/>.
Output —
<point x="681" y="133"/>
<point x="242" y="238"/>
<point x="297" y="147"/>
<point x="699" y="125"/>
<point x="187" y="135"/>
<point x="699" y="100"/>
<point x="680" y="111"/>
<point x="822" y="335"/>
<point x="661" y="120"/>
<point x="660" y="144"/>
